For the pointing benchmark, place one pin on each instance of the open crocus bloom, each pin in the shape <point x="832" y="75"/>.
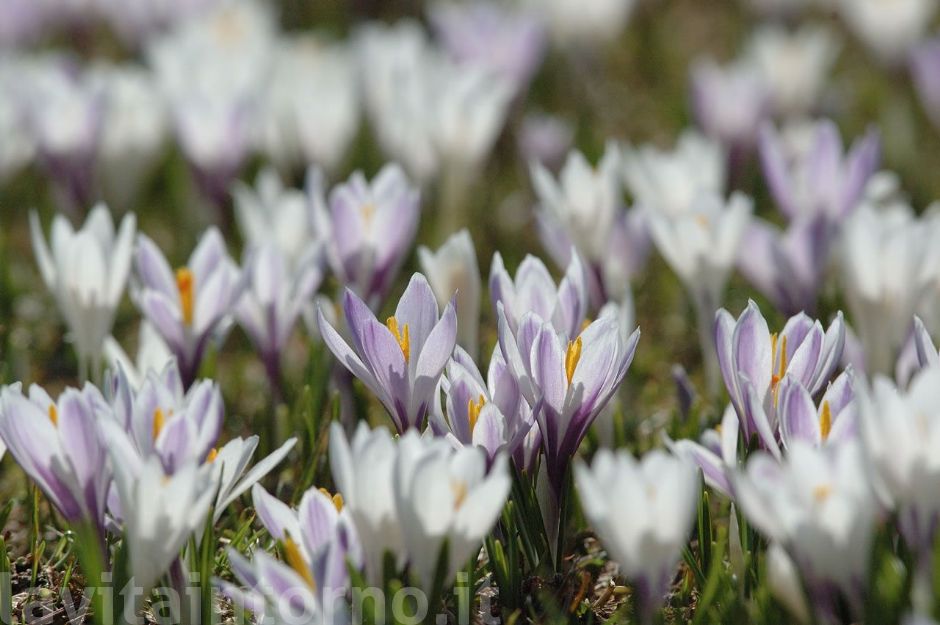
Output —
<point x="368" y="227"/>
<point x="533" y="290"/>
<point x="492" y="415"/>
<point x="753" y="362"/>
<point x="834" y="421"/>
<point x="443" y="495"/>
<point x="901" y="431"/>
<point x="567" y="381"/>
<point x="56" y="443"/>
<point x="86" y="271"/>
<point x="401" y="360"/>
<point x="642" y="511"/>
<point x="819" y="506"/>
<point x="191" y="304"/>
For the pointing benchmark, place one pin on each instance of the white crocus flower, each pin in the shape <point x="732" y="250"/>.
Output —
<point x="86" y="271"/>
<point x="445" y="495"/>
<point x="453" y="268"/>
<point x="272" y="214"/>
<point x="153" y="354"/>
<point x="819" y="506"/>
<point x="642" y="512"/>
<point x="362" y="470"/>
<point x="794" y="65"/>
<point x="889" y="29"/>
<point x="583" y="24"/>
<point x="701" y="246"/>
<point x="669" y="181"/>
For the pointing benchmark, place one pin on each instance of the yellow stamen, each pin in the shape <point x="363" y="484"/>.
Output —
<point x="185" y="286"/>
<point x="213" y="453"/>
<point x="158" y="421"/>
<point x="822" y="492"/>
<point x="53" y="414"/>
<point x="401" y="335"/>
<point x="296" y="561"/>
<point x="368" y="212"/>
<point x="572" y="356"/>
<point x="460" y="493"/>
<point x="585" y="324"/>
<point x="825" y="420"/>
<point x="337" y="499"/>
<point x="473" y="411"/>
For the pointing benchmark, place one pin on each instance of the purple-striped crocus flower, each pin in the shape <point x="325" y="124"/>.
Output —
<point x="275" y="296"/>
<point x="534" y="290"/>
<point x="753" y="362"/>
<point x="57" y="444"/>
<point x="566" y="378"/>
<point x="368" y="226"/>
<point x="400" y="361"/>
<point x="823" y="181"/>
<point x="491" y="414"/>
<point x="191" y="305"/>
<point x="834" y="421"/>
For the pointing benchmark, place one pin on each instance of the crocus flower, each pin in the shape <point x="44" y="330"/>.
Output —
<point x="716" y="454"/>
<point x="401" y="360"/>
<point x="492" y="414"/>
<point x="319" y="538"/>
<point x="270" y="214"/>
<point x="545" y="139"/>
<point x="191" y="306"/>
<point x="927" y="353"/>
<point x="889" y="29"/>
<point x="533" y="290"/>
<point x="900" y="431"/>
<point x="152" y="355"/>
<point x="363" y="470"/>
<point x="580" y="25"/>
<point x="668" y="181"/>
<point x="274" y="298"/>
<point x="794" y="65"/>
<point x="820" y="179"/>
<point x="925" y="59"/>
<point x="369" y="228"/>
<point x="86" y="271"/>
<point x="447" y="495"/>
<point x="835" y="421"/>
<point x="753" y="362"/>
<point x="730" y="103"/>
<point x="818" y="505"/>
<point x="566" y="378"/>
<point x="642" y="512"/>
<point x="56" y="443"/>
<point x="453" y="268"/>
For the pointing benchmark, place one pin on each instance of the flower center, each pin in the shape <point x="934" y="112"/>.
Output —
<point x="368" y="212"/>
<point x="778" y="360"/>
<point x="186" y="287"/>
<point x="53" y="414"/>
<point x="337" y="499"/>
<point x="296" y="561"/>
<point x="572" y="356"/>
<point x="159" y="419"/>
<point x="212" y="455"/>
<point x="825" y="420"/>
<point x="822" y="492"/>
<point x="473" y="411"/>
<point x="460" y="493"/>
<point x="401" y="335"/>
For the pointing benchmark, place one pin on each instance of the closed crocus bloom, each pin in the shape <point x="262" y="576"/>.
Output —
<point x="754" y="362"/>
<point x="160" y="513"/>
<point x="369" y="228"/>
<point x="730" y="103"/>
<point x="642" y="512"/>
<point x="668" y="181"/>
<point x="57" y="444"/>
<point x="925" y="71"/>
<point x="363" y="470"/>
<point x="152" y="355"/>
<point x="194" y="303"/>
<point x="566" y="378"/>
<point x="275" y="296"/>
<point x="401" y="360"/>
<point x="533" y="290"/>
<point x="794" y="65"/>
<point x="818" y="505"/>
<point x="445" y="495"/>
<point x="508" y="41"/>
<point x="583" y="24"/>
<point x="453" y="268"/>
<point x="815" y="177"/>
<point x="270" y="214"/>
<point x="901" y="432"/>
<point x="492" y="414"/>
<point x="927" y="353"/>
<point x="882" y="258"/>
<point x="86" y="271"/>
<point x="716" y="454"/>
<point x="889" y="29"/>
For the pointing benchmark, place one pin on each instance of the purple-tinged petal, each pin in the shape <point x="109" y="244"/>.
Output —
<point x="797" y="413"/>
